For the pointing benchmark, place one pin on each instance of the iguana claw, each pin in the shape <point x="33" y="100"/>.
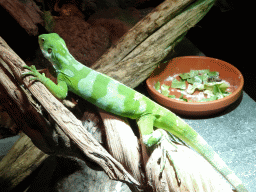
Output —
<point x="164" y="142"/>
<point x="37" y="76"/>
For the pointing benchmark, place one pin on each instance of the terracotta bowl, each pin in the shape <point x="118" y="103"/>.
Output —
<point x="183" y="65"/>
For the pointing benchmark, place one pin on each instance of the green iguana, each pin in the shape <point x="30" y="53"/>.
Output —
<point x="115" y="97"/>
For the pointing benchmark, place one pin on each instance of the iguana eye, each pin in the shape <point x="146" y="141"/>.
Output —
<point x="49" y="50"/>
<point x="42" y="40"/>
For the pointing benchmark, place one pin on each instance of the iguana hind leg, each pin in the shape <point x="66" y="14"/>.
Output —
<point x="146" y="126"/>
<point x="167" y="146"/>
<point x="158" y="137"/>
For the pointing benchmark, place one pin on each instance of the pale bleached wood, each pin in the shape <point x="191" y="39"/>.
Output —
<point x="195" y="173"/>
<point x="122" y="144"/>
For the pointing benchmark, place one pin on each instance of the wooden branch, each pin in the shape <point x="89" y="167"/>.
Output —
<point x="17" y="101"/>
<point x="141" y="31"/>
<point x="27" y="14"/>
<point x="24" y="157"/>
<point x="140" y="50"/>
<point x="122" y="144"/>
<point x="64" y="119"/>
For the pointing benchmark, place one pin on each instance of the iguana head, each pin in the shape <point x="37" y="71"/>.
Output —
<point x="54" y="48"/>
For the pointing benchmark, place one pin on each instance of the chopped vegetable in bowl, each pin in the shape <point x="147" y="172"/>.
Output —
<point x="206" y="82"/>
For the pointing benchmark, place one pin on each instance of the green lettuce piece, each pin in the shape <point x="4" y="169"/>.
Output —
<point x="172" y="96"/>
<point x="193" y="73"/>
<point x="212" y="98"/>
<point x="223" y="86"/>
<point x="182" y="98"/>
<point x="213" y="74"/>
<point x="178" y="84"/>
<point x="204" y="77"/>
<point x="191" y="88"/>
<point x="203" y="71"/>
<point x="211" y="87"/>
<point x="157" y="85"/>
<point x="198" y="86"/>
<point x="165" y="90"/>
<point x="184" y="76"/>
<point x="208" y="93"/>
<point x="195" y="79"/>
<point x="216" y="89"/>
<point x="216" y="86"/>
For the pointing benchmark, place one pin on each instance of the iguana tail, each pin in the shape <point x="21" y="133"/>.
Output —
<point x="175" y="125"/>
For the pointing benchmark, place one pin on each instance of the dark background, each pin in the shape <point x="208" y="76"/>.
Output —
<point x="226" y="33"/>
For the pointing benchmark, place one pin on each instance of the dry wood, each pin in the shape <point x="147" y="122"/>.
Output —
<point x="141" y="31"/>
<point x="26" y="13"/>
<point x="122" y="144"/>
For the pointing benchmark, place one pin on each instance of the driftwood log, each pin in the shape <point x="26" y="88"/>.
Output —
<point x="131" y="61"/>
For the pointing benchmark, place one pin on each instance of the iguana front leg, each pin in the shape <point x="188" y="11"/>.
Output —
<point x="60" y="90"/>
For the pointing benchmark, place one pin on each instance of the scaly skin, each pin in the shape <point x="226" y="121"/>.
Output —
<point x="115" y="97"/>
